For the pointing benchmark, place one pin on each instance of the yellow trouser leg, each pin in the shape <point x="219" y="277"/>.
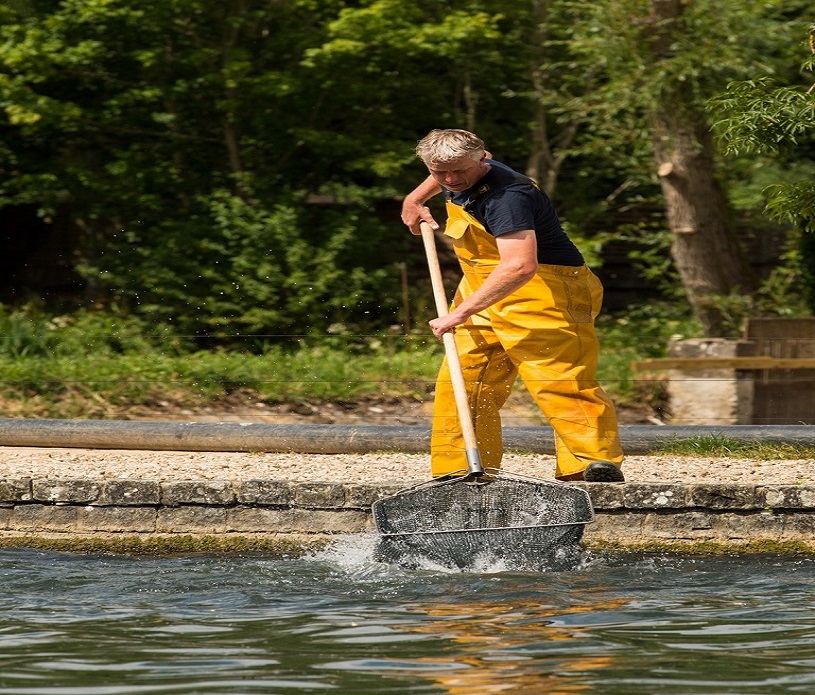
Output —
<point x="557" y="352"/>
<point x="489" y="376"/>
<point x="583" y="419"/>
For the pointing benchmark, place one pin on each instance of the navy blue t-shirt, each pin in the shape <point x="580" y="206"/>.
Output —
<point x="505" y="201"/>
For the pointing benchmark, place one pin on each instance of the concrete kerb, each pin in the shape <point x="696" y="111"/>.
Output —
<point x="176" y="516"/>
<point x="335" y="439"/>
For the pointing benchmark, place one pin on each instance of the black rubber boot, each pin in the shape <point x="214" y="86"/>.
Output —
<point x="603" y="472"/>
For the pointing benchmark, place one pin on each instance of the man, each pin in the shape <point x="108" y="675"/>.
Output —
<point x="525" y="305"/>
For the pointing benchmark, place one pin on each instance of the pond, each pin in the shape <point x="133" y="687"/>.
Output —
<point x="337" y="621"/>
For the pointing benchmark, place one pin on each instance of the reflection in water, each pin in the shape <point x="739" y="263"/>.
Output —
<point x="557" y="633"/>
<point x="107" y="625"/>
<point x="497" y="636"/>
<point x="498" y="639"/>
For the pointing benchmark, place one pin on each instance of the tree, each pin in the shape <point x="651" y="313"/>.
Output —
<point x="662" y="59"/>
<point x="134" y="120"/>
<point x="761" y="116"/>
<point x="705" y="246"/>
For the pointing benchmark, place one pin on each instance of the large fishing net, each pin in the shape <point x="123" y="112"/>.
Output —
<point x="504" y="519"/>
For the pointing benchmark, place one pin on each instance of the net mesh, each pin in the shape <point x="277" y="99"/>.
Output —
<point x="520" y="522"/>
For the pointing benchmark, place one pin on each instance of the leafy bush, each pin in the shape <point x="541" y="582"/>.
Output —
<point x="23" y="334"/>
<point x="237" y="268"/>
<point x="31" y="333"/>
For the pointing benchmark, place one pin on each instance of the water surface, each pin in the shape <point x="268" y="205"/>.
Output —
<point x="340" y="622"/>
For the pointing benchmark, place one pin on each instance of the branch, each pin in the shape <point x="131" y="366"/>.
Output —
<point x="811" y="50"/>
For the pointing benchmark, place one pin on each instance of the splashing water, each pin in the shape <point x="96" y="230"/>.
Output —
<point x="369" y="553"/>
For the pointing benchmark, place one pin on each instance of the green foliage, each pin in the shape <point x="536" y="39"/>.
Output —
<point x="794" y="203"/>
<point x="23" y="335"/>
<point x="645" y="63"/>
<point x="235" y="168"/>
<point x="646" y="329"/>
<point x="641" y="332"/>
<point x="235" y="267"/>
<point x="760" y="116"/>
<point x="168" y="131"/>
<point x="32" y="333"/>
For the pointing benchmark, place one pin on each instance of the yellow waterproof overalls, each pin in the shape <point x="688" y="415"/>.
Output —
<point x="543" y="331"/>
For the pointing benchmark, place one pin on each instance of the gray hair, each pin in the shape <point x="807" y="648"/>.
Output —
<point x="442" y="146"/>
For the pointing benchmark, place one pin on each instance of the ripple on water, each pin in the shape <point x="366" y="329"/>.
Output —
<point x="336" y="619"/>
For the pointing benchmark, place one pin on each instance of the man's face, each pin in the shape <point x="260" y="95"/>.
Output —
<point x="458" y="174"/>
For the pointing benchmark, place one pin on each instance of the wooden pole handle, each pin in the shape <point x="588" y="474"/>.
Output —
<point x="451" y="352"/>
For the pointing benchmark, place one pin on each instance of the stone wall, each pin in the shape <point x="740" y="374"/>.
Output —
<point x="709" y="396"/>
<point x="635" y="515"/>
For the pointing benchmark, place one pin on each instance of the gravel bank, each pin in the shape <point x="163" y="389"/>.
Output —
<point x="33" y="462"/>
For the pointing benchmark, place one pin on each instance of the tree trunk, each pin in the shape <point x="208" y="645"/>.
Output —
<point x="705" y="247"/>
<point x="231" y="131"/>
<point x="469" y="97"/>
<point x="543" y="164"/>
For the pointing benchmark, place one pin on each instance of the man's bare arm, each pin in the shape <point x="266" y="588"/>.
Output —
<point x="414" y="210"/>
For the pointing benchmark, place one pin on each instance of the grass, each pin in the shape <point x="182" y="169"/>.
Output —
<point x="75" y="387"/>
<point x="93" y="365"/>
<point x="68" y="385"/>
<point x="721" y="446"/>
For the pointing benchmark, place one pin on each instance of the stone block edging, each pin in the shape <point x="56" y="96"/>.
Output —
<point x="630" y="514"/>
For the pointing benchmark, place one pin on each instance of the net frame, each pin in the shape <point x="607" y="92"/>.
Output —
<point x="507" y="518"/>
